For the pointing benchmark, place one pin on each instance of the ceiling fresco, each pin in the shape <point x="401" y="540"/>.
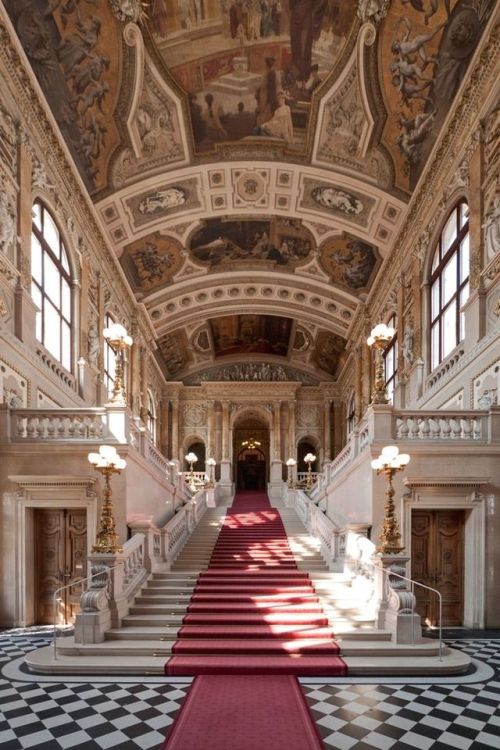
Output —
<point x="258" y="67"/>
<point x="282" y="241"/>
<point x="256" y="334"/>
<point x="249" y="157"/>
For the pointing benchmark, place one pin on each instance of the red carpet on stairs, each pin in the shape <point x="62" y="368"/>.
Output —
<point x="254" y="620"/>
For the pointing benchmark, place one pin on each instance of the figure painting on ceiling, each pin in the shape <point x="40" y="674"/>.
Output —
<point x="349" y="261"/>
<point x="432" y="43"/>
<point x="244" y="334"/>
<point x="250" y="67"/>
<point x="328" y="351"/>
<point x="218" y="242"/>
<point x="151" y="261"/>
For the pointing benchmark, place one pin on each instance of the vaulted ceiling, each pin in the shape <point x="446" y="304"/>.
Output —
<point x="251" y="224"/>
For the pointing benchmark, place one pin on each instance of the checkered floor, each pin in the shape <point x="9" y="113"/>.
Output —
<point x="98" y="715"/>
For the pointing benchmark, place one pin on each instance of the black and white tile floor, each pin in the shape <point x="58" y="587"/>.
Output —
<point x="95" y="714"/>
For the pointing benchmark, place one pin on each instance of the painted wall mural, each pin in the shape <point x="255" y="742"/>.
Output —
<point x="349" y="261"/>
<point x="426" y="47"/>
<point x="175" y="352"/>
<point x="250" y="67"/>
<point x="243" y="334"/>
<point x="75" y="51"/>
<point x="282" y="241"/>
<point x="152" y="261"/>
<point x="329" y="351"/>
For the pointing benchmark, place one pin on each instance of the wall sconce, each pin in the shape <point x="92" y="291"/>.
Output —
<point x="389" y="462"/>
<point x="378" y="339"/>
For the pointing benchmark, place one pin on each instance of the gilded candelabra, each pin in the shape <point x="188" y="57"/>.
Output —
<point x="119" y="341"/>
<point x="107" y="462"/>
<point x="289" y="466"/>
<point x="191" y="458"/>
<point x="389" y="462"/>
<point x="379" y="337"/>
<point x="309" y="459"/>
<point x="210" y="482"/>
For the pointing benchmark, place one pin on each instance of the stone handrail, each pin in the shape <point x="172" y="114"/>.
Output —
<point x="431" y="425"/>
<point x="74" y="425"/>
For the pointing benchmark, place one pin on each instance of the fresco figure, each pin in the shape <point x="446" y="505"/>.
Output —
<point x="211" y="118"/>
<point x="333" y="198"/>
<point x="280" y="125"/>
<point x="306" y="17"/>
<point x="162" y="200"/>
<point x="267" y="93"/>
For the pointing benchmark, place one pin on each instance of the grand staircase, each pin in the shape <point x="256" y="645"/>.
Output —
<point x="146" y="639"/>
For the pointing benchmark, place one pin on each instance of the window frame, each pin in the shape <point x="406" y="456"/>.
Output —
<point x="442" y="260"/>
<point x="59" y="260"/>
<point x="391" y="376"/>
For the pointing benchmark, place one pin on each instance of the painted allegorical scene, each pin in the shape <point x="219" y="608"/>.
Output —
<point x="429" y="45"/>
<point x="245" y="334"/>
<point x="283" y="241"/>
<point x="250" y="67"/>
<point x="349" y="261"/>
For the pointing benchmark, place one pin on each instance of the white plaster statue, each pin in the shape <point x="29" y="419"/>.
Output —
<point x="407" y="348"/>
<point x="7" y="222"/>
<point x="492" y="229"/>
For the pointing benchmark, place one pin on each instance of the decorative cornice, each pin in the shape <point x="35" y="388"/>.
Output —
<point x="415" y="482"/>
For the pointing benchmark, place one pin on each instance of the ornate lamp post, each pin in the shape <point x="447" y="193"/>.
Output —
<point x="291" y="462"/>
<point x="309" y="459"/>
<point x="378" y="340"/>
<point x="107" y="462"/>
<point x="210" y="462"/>
<point x="119" y="341"/>
<point x="389" y="462"/>
<point x="191" y="458"/>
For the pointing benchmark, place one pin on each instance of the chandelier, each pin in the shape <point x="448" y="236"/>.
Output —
<point x="251" y="443"/>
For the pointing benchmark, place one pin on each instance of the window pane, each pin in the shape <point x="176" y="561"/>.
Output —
<point x="51" y="233"/>
<point x="464" y="214"/>
<point x="36" y="259"/>
<point x="435" y="299"/>
<point x="449" y="233"/>
<point x="52" y="280"/>
<point x="464" y="295"/>
<point x="66" y="346"/>
<point x="389" y="363"/>
<point x="464" y="258"/>
<point x="64" y="259"/>
<point x="435" y="262"/>
<point x="449" y="329"/>
<point x="66" y="300"/>
<point x="449" y="277"/>
<point x="52" y="330"/>
<point x="435" y="346"/>
<point x="36" y="295"/>
<point x="37" y="215"/>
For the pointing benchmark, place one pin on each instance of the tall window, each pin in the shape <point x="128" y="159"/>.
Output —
<point x="109" y="358"/>
<point x="391" y="362"/>
<point x="449" y="284"/>
<point x="151" y="417"/>
<point x="51" y="286"/>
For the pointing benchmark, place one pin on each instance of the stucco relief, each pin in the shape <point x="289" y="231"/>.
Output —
<point x="195" y="415"/>
<point x="164" y="201"/>
<point x="308" y="416"/>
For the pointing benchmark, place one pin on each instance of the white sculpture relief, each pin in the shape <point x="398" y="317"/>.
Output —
<point x="7" y="222"/>
<point x="195" y="415"/>
<point x="492" y="229"/>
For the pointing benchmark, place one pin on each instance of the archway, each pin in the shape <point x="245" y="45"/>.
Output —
<point x="198" y="448"/>
<point x="306" y="446"/>
<point x="251" y="453"/>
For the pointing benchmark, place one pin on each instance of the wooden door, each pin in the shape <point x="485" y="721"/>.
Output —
<point x="437" y="560"/>
<point x="61" y="560"/>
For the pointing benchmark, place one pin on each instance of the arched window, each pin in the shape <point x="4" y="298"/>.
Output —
<point x="109" y="358"/>
<point x="391" y="362"/>
<point x="151" y="417"/>
<point x="51" y="286"/>
<point x="449" y="284"/>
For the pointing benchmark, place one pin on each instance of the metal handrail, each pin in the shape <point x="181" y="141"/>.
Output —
<point x="389" y="572"/>
<point x="67" y="586"/>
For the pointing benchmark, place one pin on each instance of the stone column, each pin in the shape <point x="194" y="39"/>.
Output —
<point x="144" y="384"/>
<point x="175" y="430"/>
<point x="358" y="385"/>
<point x="135" y="372"/>
<point x="225" y="483"/>
<point x="25" y="308"/>
<point x="292" y="450"/>
<point x="164" y="414"/>
<point x="276" y="477"/>
<point x="225" y="431"/>
<point x="327" y="429"/>
<point x="210" y="429"/>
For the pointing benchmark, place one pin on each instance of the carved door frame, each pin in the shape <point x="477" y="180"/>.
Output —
<point x="439" y="494"/>
<point x="54" y="491"/>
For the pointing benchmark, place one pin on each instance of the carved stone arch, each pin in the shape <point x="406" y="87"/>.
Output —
<point x="246" y="411"/>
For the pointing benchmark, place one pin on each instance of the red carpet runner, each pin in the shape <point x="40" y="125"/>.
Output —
<point x="252" y="613"/>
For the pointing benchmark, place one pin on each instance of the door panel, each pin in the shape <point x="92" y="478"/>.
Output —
<point x="438" y="561"/>
<point x="61" y="558"/>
